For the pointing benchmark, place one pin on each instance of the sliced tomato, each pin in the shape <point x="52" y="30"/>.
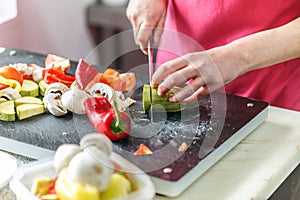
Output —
<point x="57" y="62"/>
<point x="128" y="79"/>
<point x="111" y="71"/>
<point x="11" y="73"/>
<point x="123" y="82"/>
<point x="111" y="80"/>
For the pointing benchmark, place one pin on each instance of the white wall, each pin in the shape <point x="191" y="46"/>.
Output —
<point x="49" y="26"/>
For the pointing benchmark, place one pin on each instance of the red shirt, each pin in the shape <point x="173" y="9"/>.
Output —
<point x="211" y="23"/>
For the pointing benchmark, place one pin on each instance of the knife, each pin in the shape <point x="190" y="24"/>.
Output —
<point x="151" y="64"/>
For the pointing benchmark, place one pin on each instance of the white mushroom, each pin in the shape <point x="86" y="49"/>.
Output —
<point x="73" y="100"/>
<point x="102" y="90"/>
<point x="92" y="166"/>
<point x="52" y="103"/>
<point x="56" y="88"/>
<point x="64" y="154"/>
<point x="9" y="94"/>
<point x="98" y="140"/>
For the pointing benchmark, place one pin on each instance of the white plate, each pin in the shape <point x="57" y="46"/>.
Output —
<point x="23" y="179"/>
<point x="8" y="167"/>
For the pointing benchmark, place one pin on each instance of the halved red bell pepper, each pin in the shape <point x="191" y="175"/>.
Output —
<point x="106" y="118"/>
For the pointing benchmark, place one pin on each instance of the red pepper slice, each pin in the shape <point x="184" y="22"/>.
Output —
<point x="3" y="86"/>
<point x="27" y="77"/>
<point x="51" y="188"/>
<point x="51" y="76"/>
<point x="84" y="73"/>
<point x="60" y="75"/>
<point x="106" y="119"/>
<point x="143" y="150"/>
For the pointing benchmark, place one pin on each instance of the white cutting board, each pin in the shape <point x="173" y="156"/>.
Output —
<point x="256" y="166"/>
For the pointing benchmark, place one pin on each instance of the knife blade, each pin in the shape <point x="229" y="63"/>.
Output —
<point x="151" y="64"/>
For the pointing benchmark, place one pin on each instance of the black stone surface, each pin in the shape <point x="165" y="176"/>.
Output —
<point x="50" y="132"/>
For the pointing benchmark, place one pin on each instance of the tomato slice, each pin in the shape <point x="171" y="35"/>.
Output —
<point x="110" y="80"/>
<point x="11" y="73"/>
<point x="128" y="79"/>
<point x="111" y="71"/>
<point x="57" y="62"/>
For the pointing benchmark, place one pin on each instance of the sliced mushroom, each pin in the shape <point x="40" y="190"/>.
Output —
<point x="56" y="88"/>
<point x="64" y="154"/>
<point x="98" y="140"/>
<point x="73" y="100"/>
<point x="92" y="166"/>
<point x="9" y="94"/>
<point x="52" y="103"/>
<point x="122" y="102"/>
<point x="102" y="90"/>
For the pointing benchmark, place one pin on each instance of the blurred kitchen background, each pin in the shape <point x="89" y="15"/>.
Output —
<point x="69" y="28"/>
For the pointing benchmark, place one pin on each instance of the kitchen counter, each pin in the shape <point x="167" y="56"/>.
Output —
<point x="264" y="162"/>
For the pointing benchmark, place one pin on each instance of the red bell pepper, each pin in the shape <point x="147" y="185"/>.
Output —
<point x="51" y="76"/>
<point x="51" y="188"/>
<point x="143" y="150"/>
<point x="106" y="118"/>
<point x="85" y="73"/>
<point x="3" y="86"/>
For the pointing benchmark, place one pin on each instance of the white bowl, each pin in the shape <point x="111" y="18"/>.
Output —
<point x="25" y="175"/>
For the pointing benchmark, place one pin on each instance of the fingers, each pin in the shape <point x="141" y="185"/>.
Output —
<point x="159" y="30"/>
<point x="143" y="35"/>
<point x="190" y="91"/>
<point x="167" y="68"/>
<point x="179" y="72"/>
<point x="145" y="16"/>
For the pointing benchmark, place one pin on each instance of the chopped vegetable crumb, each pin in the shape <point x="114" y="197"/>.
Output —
<point x="143" y="150"/>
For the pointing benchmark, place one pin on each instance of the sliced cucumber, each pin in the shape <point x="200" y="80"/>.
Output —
<point x="28" y="110"/>
<point x="28" y="100"/>
<point x="150" y="97"/>
<point x="29" y="88"/>
<point x="7" y="111"/>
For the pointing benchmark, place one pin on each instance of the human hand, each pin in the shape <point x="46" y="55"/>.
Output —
<point x="146" y="16"/>
<point x="198" y="73"/>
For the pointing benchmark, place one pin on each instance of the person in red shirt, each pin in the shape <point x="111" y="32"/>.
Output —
<point x="251" y="47"/>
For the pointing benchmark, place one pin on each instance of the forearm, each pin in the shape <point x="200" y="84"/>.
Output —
<point x="263" y="49"/>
